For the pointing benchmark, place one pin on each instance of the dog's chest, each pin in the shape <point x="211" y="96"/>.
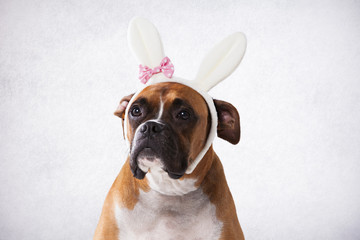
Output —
<point x="157" y="216"/>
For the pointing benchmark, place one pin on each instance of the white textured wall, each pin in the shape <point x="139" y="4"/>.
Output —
<point x="64" y="65"/>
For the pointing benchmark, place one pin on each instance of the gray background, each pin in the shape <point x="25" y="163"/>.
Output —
<point x="64" y="66"/>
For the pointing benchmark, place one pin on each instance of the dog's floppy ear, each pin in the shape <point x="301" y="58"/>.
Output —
<point x="120" y="111"/>
<point x="228" y="121"/>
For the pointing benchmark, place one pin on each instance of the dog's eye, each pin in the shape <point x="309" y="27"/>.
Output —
<point x="135" y="111"/>
<point x="184" y="115"/>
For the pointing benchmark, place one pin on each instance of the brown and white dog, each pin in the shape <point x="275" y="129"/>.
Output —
<point x="172" y="185"/>
<point x="153" y="197"/>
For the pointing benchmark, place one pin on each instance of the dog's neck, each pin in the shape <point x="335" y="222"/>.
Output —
<point x="159" y="180"/>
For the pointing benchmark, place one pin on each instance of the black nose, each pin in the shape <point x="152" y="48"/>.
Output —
<point x="151" y="128"/>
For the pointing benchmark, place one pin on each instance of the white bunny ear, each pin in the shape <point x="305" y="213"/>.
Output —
<point x="145" y="42"/>
<point x="221" y="61"/>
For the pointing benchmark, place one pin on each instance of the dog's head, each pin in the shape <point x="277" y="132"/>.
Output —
<point x="168" y="125"/>
<point x="171" y="123"/>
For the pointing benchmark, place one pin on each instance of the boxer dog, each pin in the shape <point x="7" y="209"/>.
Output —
<point x="155" y="196"/>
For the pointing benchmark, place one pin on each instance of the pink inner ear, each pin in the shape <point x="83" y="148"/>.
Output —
<point x="122" y="106"/>
<point x="226" y="119"/>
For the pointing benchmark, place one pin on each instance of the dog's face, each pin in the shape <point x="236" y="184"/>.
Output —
<point x="168" y="124"/>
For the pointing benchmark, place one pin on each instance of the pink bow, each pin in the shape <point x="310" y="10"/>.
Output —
<point x="166" y="67"/>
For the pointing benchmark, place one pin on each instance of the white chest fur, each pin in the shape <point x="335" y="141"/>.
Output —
<point x="158" y="216"/>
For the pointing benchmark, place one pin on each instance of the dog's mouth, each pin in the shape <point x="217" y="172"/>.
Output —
<point x="147" y="153"/>
<point x="146" y="158"/>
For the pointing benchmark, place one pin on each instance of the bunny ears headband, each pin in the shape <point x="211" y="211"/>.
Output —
<point x="155" y="67"/>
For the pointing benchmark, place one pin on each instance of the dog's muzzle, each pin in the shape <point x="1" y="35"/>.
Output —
<point x="155" y="143"/>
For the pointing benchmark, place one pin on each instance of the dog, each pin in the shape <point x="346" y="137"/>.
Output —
<point x="172" y="185"/>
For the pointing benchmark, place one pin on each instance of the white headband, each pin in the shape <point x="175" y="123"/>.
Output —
<point x="220" y="62"/>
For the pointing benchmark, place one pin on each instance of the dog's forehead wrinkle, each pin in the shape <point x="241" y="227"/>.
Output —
<point x="178" y="101"/>
<point x="141" y="101"/>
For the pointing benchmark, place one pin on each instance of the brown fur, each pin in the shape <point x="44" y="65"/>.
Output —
<point x="124" y="192"/>
<point x="216" y="188"/>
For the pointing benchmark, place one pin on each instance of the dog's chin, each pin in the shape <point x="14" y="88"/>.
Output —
<point x="141" y="160"/>
<point x="147" y="159"/>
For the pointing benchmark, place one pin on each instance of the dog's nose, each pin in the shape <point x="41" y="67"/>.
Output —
<point x="150" y="128"/>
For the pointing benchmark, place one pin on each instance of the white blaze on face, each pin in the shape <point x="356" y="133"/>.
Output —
<point x="161" y="109"/>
